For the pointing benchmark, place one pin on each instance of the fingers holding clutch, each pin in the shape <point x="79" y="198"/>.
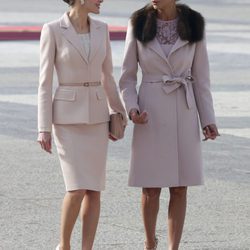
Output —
<point x="137" y="117"/>
<point x="112" y="138"/>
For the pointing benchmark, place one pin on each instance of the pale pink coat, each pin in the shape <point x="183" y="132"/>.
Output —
<point x="166" y="151"/>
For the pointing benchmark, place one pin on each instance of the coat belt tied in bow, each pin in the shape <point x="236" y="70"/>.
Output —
<point x="172" y="83"/>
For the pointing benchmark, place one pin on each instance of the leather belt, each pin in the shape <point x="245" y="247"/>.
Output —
<point x="170" y="84"/>
<point x="83" y="84"/>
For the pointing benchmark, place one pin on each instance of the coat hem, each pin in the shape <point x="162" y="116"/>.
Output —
<point x="166" y="186"/>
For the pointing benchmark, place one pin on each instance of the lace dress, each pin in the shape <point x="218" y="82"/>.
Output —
<point x="167" y="34"/>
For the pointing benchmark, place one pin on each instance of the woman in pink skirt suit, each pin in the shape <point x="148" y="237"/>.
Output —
<point x="78" y="46"/>
<point x="167" y="40"/>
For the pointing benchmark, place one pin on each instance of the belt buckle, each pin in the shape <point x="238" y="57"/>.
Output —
<point x="86" y="84"/>
<point x="190" y="78"/>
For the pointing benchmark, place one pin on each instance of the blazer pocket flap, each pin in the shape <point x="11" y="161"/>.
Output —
<point x="65" y="95"/>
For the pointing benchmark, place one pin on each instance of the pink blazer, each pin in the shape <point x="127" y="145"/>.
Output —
<point x="60" y="47"/>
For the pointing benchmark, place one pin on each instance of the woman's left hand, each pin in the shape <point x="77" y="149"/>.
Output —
<point x="210" y="132"/>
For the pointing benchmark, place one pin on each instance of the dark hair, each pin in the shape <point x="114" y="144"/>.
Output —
<point x="190" y="24"/>
<point x="69" y="2"/>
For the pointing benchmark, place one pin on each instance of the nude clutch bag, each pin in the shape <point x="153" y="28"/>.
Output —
<point x="116" y="126"/>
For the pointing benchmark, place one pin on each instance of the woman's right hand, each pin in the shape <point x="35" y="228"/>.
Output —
<point x="137" y="117"/>
<point x="44" y="138"/>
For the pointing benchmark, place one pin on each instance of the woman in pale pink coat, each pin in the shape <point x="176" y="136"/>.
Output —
<point x="167" y="40"/>
<point x="78" y="47"/>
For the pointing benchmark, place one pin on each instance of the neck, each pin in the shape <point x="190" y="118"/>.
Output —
<point x="79" y="18"/>
<point x="168" y="13"/>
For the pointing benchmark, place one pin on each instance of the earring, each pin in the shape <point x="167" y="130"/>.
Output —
<point x="82" y="2"/>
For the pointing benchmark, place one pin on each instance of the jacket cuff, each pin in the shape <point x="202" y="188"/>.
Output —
<point x="207" y="122"/>
<point x="44" y="129"/>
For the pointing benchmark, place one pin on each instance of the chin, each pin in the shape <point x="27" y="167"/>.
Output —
<point x="156" y="6"/>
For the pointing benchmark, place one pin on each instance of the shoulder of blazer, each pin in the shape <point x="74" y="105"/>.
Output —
<point x="64" y="22"/>
<point x="53" y="25"/>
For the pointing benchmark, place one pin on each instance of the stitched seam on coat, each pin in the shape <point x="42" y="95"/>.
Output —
<point x="202" y="106"/>
<point x="200" y="98"/>
<point x="51" y="30"/>
<point x="177" y="133"/>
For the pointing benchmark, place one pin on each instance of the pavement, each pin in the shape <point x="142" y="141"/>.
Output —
<point x="31" y="184"/>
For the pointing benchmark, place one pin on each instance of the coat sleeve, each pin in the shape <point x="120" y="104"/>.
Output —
<point x="47" y="59"/>
<point x="128" y="80"/>
<point x="201" y="86"/>
<point x="109" y="84"/>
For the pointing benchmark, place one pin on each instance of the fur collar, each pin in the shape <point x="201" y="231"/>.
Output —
<point x="190" y="24"/>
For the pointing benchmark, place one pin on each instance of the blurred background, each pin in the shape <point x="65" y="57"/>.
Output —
<point x="31" y="184"/>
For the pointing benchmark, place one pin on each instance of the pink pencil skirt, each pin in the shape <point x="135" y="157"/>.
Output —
<point x="82" y="151"/>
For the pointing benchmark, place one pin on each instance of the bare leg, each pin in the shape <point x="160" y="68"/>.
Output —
<point x="70" y="210"/>
<point x="90" y="213"/>
<point x="150" y="208"/>
<point x="176" y="215"/>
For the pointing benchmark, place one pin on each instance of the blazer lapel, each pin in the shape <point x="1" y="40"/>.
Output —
<point x="70" y="34"/>
<point x="96" y="38"/>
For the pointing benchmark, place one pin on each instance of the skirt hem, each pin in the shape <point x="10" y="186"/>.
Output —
<point x="68" y="189"/>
